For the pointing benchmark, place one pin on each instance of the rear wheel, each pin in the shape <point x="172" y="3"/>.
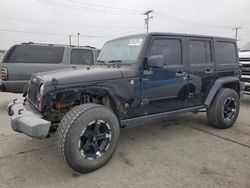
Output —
<point x="224" y="110"/>
<point x="87" y="137"/>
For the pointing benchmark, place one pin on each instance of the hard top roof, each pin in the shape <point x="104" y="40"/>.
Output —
<point x="176" y="34"/>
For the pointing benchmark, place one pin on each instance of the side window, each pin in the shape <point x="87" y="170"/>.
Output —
<point x="169" y="48"/>
<point x="81" y="57"/>
<point x="226" y="52"/>
<point x="200" y="52"/>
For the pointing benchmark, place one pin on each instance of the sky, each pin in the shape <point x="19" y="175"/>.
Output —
<point x="97" y="21"/>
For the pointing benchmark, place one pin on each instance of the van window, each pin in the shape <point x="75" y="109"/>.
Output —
<point x="81" y="57"/>
<point x="35" y="54"/>
<point x="199" y="52"/>
<point x="226" y="52"/>
<point x="169" y="48"/>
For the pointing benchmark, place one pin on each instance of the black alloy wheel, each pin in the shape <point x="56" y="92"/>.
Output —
<point x="95" y="139"/>
<point x="229" y="109"/>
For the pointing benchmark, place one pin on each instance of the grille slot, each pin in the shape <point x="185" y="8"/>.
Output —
<point x="244" y="59"/>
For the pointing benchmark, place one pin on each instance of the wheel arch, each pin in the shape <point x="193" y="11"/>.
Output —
<point x="104" y="92"/>
<point x="226" y="82"/>
<point x="105" y="96"/>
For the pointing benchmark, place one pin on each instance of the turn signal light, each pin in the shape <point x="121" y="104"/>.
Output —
<point x="39" y="105"/>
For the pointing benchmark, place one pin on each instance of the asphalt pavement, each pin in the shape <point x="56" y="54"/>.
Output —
<point x="182" y="152"/>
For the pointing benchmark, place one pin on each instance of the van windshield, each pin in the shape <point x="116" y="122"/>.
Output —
<point x="126" y="49"/>
<point x="35" y="54"/>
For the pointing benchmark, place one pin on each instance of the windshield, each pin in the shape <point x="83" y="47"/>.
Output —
<point x="246" y="47"/>
<point x="127" y="49"/>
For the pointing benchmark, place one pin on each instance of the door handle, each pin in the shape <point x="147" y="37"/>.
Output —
<point x="180" y="73"/>
<point x="144" y="79"/>
<point x="208" y="71"/>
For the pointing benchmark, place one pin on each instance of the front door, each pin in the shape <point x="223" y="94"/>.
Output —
<point x="164" y="89"/>
<point x="200" y="70"/>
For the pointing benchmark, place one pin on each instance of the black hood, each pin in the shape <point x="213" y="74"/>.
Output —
<point x="86" y="74"/>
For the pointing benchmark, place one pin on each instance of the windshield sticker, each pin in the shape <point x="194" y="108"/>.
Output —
<point x="135" y="42"/>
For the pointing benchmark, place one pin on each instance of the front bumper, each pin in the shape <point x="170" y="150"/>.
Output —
<point x="247" y="86"/>
<point x="25" y="120"/>
<point x="246" y="80"/>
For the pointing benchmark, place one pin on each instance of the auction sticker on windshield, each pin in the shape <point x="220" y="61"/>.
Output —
<point x="135" y="42"/>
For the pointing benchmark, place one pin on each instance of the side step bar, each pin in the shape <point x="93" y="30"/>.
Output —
<point x="157" y="117"/>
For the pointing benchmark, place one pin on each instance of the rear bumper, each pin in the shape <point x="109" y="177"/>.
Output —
<point x="24" y="120"/>
<point x="15" y="86"/>
<point x="2" y="87"/>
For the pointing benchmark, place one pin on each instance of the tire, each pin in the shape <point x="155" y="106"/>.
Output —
<point x="75" y="134"/>
<point x="225" y="100"/>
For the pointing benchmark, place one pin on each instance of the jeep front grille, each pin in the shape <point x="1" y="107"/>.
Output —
<point x="33" y="88"/>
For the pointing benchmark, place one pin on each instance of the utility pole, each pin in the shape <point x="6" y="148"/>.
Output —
<point x="78" y="39"/>
<point x="236" y="32"/>
<point x="70" y="40"/>
<point x="147" y="14"/>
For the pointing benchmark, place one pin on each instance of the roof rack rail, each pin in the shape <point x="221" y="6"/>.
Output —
<point x="63" y="45"/>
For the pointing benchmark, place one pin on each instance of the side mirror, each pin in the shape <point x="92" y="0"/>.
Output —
<point x="155" y="61"/>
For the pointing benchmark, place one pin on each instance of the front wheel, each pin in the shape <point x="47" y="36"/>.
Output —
<point x="87" y="137"/>
<point x="224" y="109"/>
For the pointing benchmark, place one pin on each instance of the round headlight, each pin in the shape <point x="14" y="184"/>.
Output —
<point x="41" y="90"/>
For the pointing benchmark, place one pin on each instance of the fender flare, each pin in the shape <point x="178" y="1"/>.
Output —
<point x="217" y="86"/>
<point x="116" y="100"/>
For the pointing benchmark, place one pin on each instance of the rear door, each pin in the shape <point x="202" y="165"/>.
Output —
<point x="200" y="69"/>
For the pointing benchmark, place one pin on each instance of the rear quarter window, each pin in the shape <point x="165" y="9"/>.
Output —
<point x="35" y="54"/>
<point x="226" y="53"/>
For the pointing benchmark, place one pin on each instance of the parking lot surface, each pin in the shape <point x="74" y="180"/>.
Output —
<point x="181" y="152"/>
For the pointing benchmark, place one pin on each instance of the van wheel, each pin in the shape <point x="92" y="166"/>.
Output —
<point x="224" y="109"/>
<point x="87" y="137"/>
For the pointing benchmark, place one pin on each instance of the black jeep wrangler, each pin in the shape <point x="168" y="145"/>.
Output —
<point x="137" y="79"/>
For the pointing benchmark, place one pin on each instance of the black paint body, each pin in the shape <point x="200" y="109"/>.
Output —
<point x="148" y="91"/>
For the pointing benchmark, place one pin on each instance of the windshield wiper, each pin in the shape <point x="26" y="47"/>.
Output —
<point x="100" y="61"/>
<point x="115" y="61"/>
<point x="118" y="63"/>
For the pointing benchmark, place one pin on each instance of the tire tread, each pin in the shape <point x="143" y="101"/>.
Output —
<point x="66" y="122"/>
<point x="212" y="113"/>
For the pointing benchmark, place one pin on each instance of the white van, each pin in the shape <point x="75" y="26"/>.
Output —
<point x="244" y="59"/>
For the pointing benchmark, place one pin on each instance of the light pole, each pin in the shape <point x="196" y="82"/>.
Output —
<point x="147" y="14"/>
